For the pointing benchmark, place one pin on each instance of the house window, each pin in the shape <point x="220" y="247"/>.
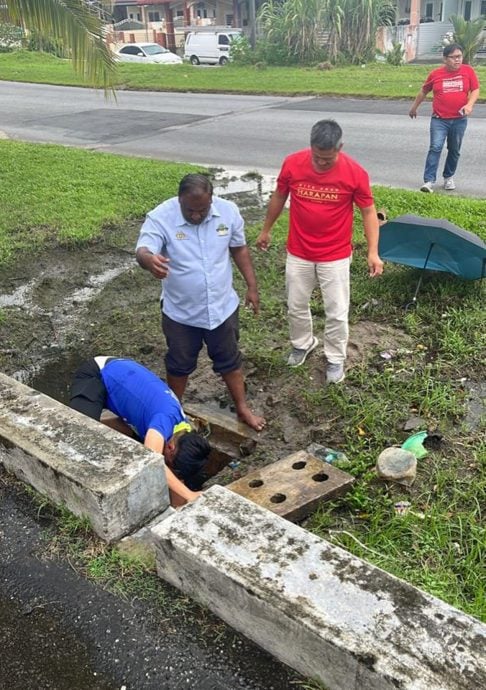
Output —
<point x="483" y="8"/>
<point x="467" y="10"/>
<point x="429" y="10"/>
<point x="154" y="16"/>
<point x="229" y="19"/>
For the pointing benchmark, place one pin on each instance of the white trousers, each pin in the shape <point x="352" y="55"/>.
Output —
<point x="301" y="277"/>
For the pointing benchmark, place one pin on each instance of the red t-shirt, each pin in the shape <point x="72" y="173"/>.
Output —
<point x="450" y="90"/>
<point x="321" y="205"/>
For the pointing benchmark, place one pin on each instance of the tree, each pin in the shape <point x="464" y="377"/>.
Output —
<point x="293" y="29"/>
<point x="78" y="25"/>
<point x="469" y="35"/>
<point x="305" y="31"/>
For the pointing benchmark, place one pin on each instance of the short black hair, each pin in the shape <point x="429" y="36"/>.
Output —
<point x="448" y="49"/>
<point x="326" y="135"/>
<point x="190" y="459"/>
<point x="195" y="182"/>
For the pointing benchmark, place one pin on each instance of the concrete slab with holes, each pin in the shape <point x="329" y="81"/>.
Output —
<point x="293" y="487"/>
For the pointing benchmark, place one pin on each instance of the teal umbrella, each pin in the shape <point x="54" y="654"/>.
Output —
<point x="435" y="244"/>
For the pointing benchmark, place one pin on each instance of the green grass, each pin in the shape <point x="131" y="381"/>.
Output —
<point x="439" y="545"/>
<point x="59" y="194"/>
<point x="373" y="80"/>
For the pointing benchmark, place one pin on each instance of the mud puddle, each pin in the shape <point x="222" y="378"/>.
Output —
<point x="37" y="652"/>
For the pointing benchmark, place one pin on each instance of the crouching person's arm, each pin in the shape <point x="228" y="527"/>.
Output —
<point x="179" y="493"/>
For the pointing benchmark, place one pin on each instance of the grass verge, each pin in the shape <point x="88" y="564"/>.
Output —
<point x="372" y="80"/>
<point x="54" y="194"/>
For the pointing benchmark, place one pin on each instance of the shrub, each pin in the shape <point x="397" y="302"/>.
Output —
<point x="241" y="51"/>
<point x="396" y="56"/>
<point x="469" y="35"/>
<point x="10" y="37"/>
<point x="36" y="42"/>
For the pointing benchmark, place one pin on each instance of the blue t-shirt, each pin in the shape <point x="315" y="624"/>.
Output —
<point x="139" y="397"/>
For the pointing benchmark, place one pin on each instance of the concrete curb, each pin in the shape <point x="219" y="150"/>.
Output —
<point x="328" y="614"/>
<point x="96" y="472"/>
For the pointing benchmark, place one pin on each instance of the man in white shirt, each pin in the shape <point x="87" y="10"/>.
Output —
<point x="188" y="243"/>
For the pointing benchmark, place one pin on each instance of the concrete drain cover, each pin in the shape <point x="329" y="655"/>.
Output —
<point x="293" y="487"/>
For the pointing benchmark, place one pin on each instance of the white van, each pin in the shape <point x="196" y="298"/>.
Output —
<point x="209" y="46"/>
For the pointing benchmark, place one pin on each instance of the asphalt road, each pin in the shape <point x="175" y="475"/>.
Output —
<point x="238" y="132"/>
<point x="60" y="631"/>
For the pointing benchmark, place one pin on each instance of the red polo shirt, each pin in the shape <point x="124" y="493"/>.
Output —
<point x="450" y="90"/>
<point x="321" y="205"/>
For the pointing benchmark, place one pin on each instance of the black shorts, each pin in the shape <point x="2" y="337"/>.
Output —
<point x="88" y="393"/>
<point x="185" y="343"/>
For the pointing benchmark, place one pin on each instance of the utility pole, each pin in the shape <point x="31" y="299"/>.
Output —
<point x="252" y="21"/>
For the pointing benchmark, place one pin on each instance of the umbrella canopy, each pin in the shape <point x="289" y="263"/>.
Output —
<point x="433" y="243"/>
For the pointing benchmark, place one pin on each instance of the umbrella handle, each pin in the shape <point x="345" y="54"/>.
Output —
<point x="413" y="303"/>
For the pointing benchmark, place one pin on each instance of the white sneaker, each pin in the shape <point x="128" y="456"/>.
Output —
<point x="334" y="373"/>
<point x="427" y="187"/>
<point x="449" y="183"/>
<point x="298" y="357"/>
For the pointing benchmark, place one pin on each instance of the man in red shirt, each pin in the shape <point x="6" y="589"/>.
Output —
<point x="323" y="184"/>
<point x="455" y="89"/>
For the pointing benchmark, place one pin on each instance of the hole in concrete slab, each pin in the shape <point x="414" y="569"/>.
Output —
<point x="320" y="477"/>
<point x="278" y="498"/>
<point x="255" y="483"/>
<point x="299" y="465"/>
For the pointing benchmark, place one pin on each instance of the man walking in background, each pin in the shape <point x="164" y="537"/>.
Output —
<point x="188" y="242"/>
<point x="324" y="184"/>
<point x="455" y="90"/>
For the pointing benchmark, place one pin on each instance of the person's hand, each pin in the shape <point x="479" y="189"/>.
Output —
<point x="412" y="112"/>
<point x="375" y="265"/>
<point x="194" y="495"/>
<point x="263" y="240"/>
<point x="158" y="265"/>
<point x="252" y="300"/>
<point x="467" y="110"/>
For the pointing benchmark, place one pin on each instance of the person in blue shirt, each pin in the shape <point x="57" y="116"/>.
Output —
<point x="144" y="403"/>
<point x="187" y="242"/>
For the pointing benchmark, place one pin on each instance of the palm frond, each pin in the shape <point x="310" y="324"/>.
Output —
<point x="80" y="29"/>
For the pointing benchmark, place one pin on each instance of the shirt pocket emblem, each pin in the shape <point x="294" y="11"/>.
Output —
<point x="222" y="230"/>
<point x="181" y="235"/>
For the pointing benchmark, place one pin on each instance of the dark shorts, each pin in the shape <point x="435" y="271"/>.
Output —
<point x="185" y="343"/>
<point x="88" y="393"/>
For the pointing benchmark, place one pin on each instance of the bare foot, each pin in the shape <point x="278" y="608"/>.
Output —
<point x="253" y="421"/>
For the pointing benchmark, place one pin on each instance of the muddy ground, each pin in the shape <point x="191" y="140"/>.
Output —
<point x="69" y="304"/>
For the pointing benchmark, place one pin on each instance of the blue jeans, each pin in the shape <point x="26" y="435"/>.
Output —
<point x="440" y="130"/>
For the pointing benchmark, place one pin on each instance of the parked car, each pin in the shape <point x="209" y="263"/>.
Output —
<point x="209" y="46"/>
<point x="147" y="53"/>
